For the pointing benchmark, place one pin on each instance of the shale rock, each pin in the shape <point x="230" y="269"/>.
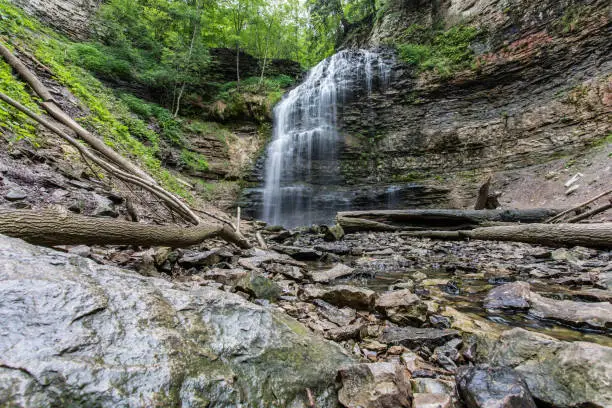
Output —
<point x="75" y="333"/>
<point x="413" y="337"/>
<point x="377" y="385"/>
<point x="351" y="296"/>
<point x="484" y="387"/>
<point x="425" y="400"/>
<point x="402" y="307"/>
<point x="509" y="296"/>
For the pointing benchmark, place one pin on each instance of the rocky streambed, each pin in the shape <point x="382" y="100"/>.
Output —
<point x="369" y="320"/>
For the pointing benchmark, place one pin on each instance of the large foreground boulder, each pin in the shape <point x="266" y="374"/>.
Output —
<point x="560" y="373"/>
<point x="75" y="333"/>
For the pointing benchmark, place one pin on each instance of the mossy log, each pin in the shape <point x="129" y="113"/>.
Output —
<point x="435" y="219"/>
<point x="51" y="228"/>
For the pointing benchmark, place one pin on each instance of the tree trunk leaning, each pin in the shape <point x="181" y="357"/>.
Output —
<point x="51" y="228"/>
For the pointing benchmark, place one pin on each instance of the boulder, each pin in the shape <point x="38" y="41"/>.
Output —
<point x="351" y="296"/>
<point x="344" y="333"/>
<point x="259" y="287"/>
<point x="299" y="253"/>
<point x="226" y="276"/>
<point x="338" y="271"/>
<point x="334" y="233"/>
<point x="513" y="295"/>
<point x="342" y="317"/>
<point x="498" y="387"/>
<point x="402" y="307"/>
<point x="290" y="271"/>
<point x="207" y="258"/>
<point x="562" y="374"/>
<point x="376" y="385"/>
<point x="76" y="333"/>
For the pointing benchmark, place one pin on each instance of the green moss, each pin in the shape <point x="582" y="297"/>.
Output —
<point x="108" y="116"/>
<point x="444" y="52"/>
<point x="572" y="19"/>
<point x="409" y="177"/>
<point x="193" y="160"/>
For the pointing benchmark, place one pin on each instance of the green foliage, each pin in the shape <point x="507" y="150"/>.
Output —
<point x="573" y="17"/>
<point x="444" y="52"/>
<point x="11" y="120"/>
<point x="169" y="127"/>
<point x="193" y="160"/>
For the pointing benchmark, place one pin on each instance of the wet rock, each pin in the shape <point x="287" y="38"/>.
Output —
<point x="510" y="295"/>
<point x="433" y="386"/>
<point x="408" y="284"/>
<point x="75" y="333"/>
<point x="419" y="276"/>
<point x="334" y="233"/>
<point x="499" y="387"/>
<point x="15" y="194"/>
<point x="563" y="374"/>
<point x="447" y="354"/>
<point x="342" y="317"/>
<point x="351" y="296"/>
<point x="402" y="307"/>
<point x="344" y="333"/>
<point x="257" y="257"/>
<point x="593" y="314"/>
<point x="290" y="271"/>
<point x="338" y="271"/>
<point x="377" y="385"/>
<point x="426" y="400"/>
<point x="299" y="253"/>
<point x="412" y="337"/>
<point x="207" y="258"/>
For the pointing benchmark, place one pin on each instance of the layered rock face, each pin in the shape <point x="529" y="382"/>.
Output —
<point x="539" y="90"/>
<point x="71" y="17"/>
<point x="75" y="333"/>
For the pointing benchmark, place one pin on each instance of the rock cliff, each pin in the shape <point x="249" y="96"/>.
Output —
<point x="538" y="92"/>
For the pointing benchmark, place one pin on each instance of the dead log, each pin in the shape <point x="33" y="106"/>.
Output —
<point x="591" y="213"/>
<point x="588" y="235"/>
<point x="483" y="195"/>
<point x="557" y="217"/>
<point x="54" y="110"/>
<point x="435" y="219"/>
<point x="51" y="228"/>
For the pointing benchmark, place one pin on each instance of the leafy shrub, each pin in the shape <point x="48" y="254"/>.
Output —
<point x="193" y="160"/>
<point x="442" y="51"/>
<point x="100" y="61"/>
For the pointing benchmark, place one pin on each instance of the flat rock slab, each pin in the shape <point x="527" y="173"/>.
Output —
<point x="351" y="296"/>
<point x="338" y="271"/>
<point x="513" y="295"/>
<point x="427" y="400"/>
<point x="412" y="337"/>
<point x="105" y="337"/>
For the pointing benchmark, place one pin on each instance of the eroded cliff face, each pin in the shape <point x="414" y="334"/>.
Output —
<point x="71" y="17"/>
<point x="539" y="91"/>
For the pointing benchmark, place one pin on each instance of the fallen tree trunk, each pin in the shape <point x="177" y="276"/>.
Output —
<point x="59" y="228"/>
<point x="588" y="235"/>
<point x="591" y="213"/>
<point x="432" y="219"/>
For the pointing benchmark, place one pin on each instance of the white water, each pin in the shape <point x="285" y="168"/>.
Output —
<point x="301" y="165"/>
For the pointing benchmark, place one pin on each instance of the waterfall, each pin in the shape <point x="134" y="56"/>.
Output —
<point x="302" y="159"/>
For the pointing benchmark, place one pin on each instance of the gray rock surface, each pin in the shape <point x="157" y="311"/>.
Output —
<point x="337" y="271"/>
<point x="563" y="374"/>
<point x="485" y="387"/>
<point x="377" y="385"/>
<point x="413" y="337"/>
<point x="513" y="295"/>
<point x="75" y="333"/>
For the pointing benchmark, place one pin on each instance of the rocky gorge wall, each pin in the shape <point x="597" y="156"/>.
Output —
<point x="71" y="17"/>
<point x="539" y="90"/>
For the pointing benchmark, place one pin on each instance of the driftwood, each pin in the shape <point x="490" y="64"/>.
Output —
<point x="590" y="213"/>
<point x="435" y="219"/>
<point x="55" y="111"/>
<point x="557" y="217"/>
<point x="61" y="228"/>
<point x="588" y="235"/>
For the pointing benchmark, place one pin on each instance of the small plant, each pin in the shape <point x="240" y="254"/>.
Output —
<point x="193" y="160"/>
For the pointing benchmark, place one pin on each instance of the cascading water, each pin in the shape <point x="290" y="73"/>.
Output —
<point x="301" y="166"/>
